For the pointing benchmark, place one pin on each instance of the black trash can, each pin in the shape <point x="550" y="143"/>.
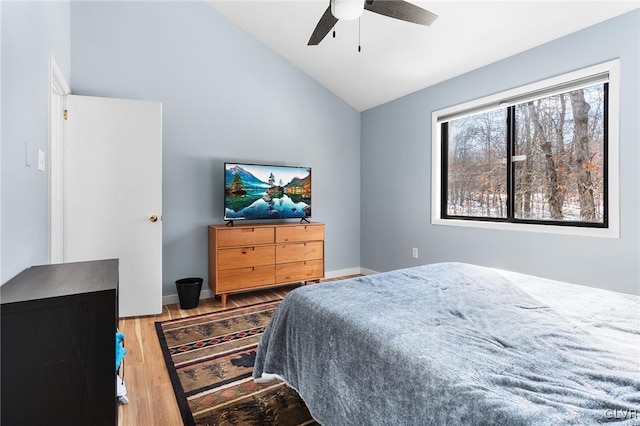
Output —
<point x="189" y="292"/>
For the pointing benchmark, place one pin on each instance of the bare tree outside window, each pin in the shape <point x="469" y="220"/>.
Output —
<point x="557" y="146"/>
<point x="477" y="178"/>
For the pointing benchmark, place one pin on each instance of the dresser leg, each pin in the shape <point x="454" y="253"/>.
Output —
<point x="223" y="299"/>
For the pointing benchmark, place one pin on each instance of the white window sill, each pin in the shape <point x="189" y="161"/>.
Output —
<point x="611" y="232"/>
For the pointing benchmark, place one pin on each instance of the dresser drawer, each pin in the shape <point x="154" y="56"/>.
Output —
<point x="245" y="236"/>
<point x="287" y="234"/>
<point x="286" y="253"/>
<point x="238" y="279"/>
<point x="244" y="257"/>
<point x="299" y="271"/>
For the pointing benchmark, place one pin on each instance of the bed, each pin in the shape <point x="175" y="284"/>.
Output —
<point x="457" y="344"/>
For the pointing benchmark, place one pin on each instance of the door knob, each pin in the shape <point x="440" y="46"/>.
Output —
<point x="153" y="218"/>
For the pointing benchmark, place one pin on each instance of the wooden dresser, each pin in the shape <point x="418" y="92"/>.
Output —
<point x="58" y="345"/>
<point x="250" y="257"/>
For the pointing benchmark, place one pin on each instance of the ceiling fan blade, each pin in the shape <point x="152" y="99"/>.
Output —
<point x="401" y="10"/>
<point x="325" y="24"/>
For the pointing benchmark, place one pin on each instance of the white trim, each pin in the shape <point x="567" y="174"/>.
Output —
<point x="58" y="80"/>
<point x="366" y="271"/>
<point x="342" y="272"/>
<point x="58" y="89"/>
<point x="207" y="293"/>
<point x="613" y="231"/>
<point x="502" y="99"/>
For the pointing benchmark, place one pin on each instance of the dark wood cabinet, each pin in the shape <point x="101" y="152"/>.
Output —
<point x="58" y="345"/>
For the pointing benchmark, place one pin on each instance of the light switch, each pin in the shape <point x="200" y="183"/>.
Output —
<point x="42" y="161"/>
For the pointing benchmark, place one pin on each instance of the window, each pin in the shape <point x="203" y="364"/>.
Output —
<point x="475" y="184"/>
<point x="531" y="158"/>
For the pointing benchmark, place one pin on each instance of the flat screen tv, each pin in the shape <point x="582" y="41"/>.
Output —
<point x="261" y="191"/>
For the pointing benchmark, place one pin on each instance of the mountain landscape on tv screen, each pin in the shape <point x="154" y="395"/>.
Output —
<point x="275" y="195"/>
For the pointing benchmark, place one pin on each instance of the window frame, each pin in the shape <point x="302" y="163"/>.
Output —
<point x="506" y="100"/>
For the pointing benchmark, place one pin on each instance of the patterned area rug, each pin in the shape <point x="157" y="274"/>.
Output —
<point x="210" y="360"/>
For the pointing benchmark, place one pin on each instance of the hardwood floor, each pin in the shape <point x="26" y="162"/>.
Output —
<point x="151" y="397"/>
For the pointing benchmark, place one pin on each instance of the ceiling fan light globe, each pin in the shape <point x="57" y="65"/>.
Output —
<point x="347" y="10"/>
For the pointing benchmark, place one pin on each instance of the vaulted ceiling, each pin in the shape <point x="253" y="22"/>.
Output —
<point x="397" y="57"/>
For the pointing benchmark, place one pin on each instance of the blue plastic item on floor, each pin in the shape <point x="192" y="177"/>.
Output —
<point x="120" y="350"/>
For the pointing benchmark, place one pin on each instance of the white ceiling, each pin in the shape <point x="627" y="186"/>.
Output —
<point x="397" y="57"/>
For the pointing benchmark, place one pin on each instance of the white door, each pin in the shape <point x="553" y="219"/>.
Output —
<point x="113" y="191"/>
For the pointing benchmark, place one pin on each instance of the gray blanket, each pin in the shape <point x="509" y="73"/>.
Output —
<point x="457" y="344"/>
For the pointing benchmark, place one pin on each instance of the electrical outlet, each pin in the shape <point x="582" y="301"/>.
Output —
<point x="415" y="253"/>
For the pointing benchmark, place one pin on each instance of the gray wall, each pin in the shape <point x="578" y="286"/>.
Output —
<point x="31" y="31"/>
<point x="396" y="148"/>
<point x="225" y="96"/>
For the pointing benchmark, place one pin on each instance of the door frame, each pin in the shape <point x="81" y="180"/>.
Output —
<point x="58" y="90"/>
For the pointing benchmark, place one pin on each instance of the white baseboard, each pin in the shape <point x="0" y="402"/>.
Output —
<point x="342" y="272"/>
<point x="366" y="271"/>
<point x="207" y="293"/>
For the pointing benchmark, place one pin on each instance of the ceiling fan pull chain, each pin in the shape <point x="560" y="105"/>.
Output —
<point x="359" y="35"/>
<point x="334" y="25"/>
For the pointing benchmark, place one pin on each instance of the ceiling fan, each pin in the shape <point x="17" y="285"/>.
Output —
<point x="352" y="9"/>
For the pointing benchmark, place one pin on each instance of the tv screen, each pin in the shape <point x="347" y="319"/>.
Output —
<point x="260" y="191"/>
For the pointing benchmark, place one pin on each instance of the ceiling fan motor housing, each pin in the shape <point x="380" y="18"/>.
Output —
<point x="347" y="10"/>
